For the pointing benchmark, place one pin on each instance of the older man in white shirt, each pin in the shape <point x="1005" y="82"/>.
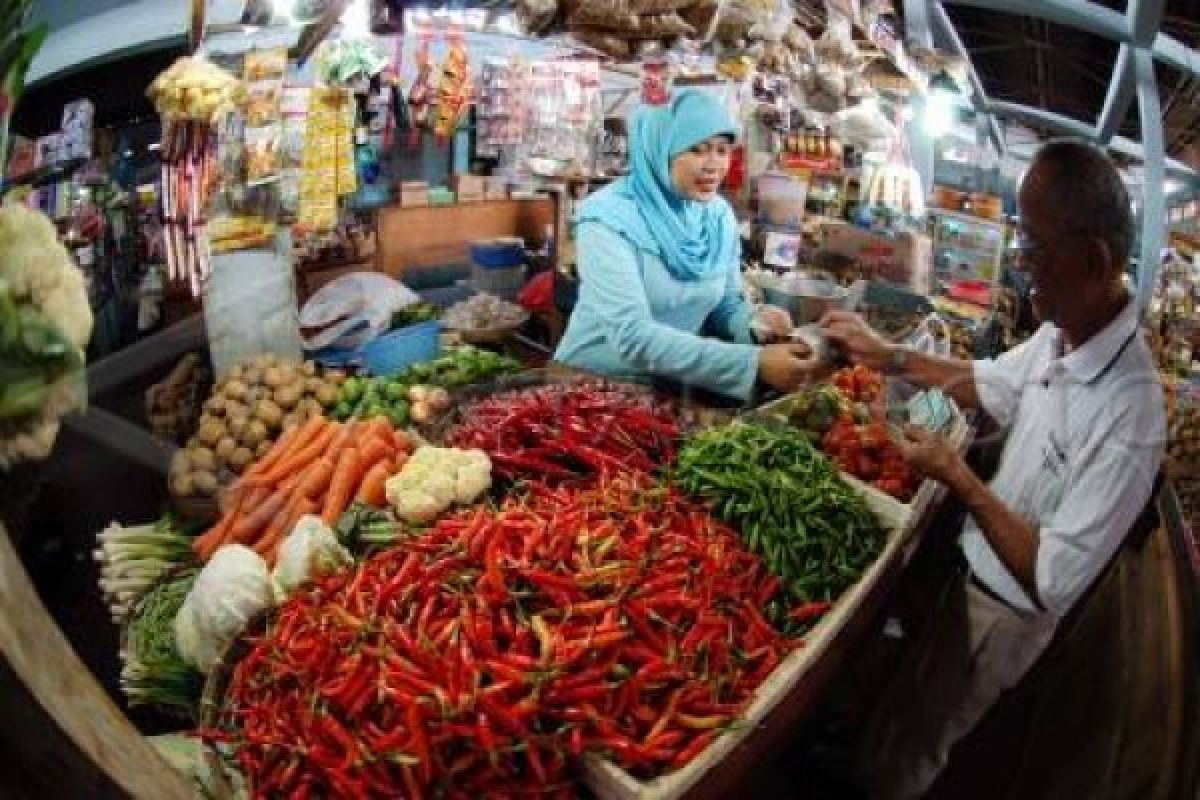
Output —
<point x="1086" y="425"/>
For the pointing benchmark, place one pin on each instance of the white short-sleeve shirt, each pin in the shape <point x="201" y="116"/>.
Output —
<point x="1086" y="438"/>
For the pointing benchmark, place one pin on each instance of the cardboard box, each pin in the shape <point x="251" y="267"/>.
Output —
<point x="467" y="188"/>
<point x="414" y="194"/>
<point x="495" y="188"/>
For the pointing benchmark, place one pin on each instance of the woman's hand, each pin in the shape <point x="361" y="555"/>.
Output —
<point x="771" y="324"/>
<point x="863" y="345"/>
<point x="785" y="366"/>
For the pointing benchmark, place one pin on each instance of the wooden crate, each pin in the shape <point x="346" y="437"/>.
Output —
<point x="610" y="782"/>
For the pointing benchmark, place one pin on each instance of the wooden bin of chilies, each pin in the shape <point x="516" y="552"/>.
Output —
<point x="902" y="521"/>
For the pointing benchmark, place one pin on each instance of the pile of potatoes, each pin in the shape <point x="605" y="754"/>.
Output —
<point x="249" y="407"/>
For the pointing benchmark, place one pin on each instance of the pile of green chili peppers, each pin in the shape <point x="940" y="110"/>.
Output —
<point x="814" y="531"/>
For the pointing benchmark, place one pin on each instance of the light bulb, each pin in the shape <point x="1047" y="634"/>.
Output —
<point x="356" y="20"/>
<point x="939" y="113"/>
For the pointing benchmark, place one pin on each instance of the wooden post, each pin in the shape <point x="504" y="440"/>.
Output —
<point x="196" y="25"/>
<point x="60" y="734"/>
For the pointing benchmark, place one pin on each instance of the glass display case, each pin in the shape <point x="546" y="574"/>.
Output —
<point x="966" y="247"/>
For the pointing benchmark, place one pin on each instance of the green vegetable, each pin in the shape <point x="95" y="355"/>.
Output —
<point x="33" y="355"/>
<point x="814" y="531"/>
<point x="460" y="366"/>
<point x="153" y="672"/>
<point x="414" y="314"/>
<point x="362" y="528"/>
<point x="133" y="559"/>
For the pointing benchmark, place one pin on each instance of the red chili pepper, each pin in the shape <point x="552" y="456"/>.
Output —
<point x="809" y="611"/>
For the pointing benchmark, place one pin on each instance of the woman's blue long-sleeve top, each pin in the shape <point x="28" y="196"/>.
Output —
<point x="634" y="319"/>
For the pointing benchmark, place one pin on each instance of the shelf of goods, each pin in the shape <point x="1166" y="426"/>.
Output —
<point x="538" y="619"/>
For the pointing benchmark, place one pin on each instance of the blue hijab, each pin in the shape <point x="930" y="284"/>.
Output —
<point x="694" y="240"/>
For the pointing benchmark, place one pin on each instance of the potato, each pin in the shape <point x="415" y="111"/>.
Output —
<point x="256" y="432"/>
<point x="204" y="482"/>
<point x="326" y="395"/>
<point x="311" y="406"/>
<point x="235" y="372"/>
<point x="215" y="405"/>
<point x="225" y="448"/>
<point x="274" y="377"/>
<point x="240" y="459"/>
<point x="252" y="376"/>
<point x="269" y="413"/>
<point x="237" y="425"/>
<point x="236" y="390"/>
<point x="181" y="462"/>
<point x="309" y="368"/>
<point x="286" y="397"/>
<point x="291" y="420"/>
<point x="235" y="409"/>
<point x="263" y="448"/>
<point x="263" y="361"/>
<point x="210" y="433"/>
<point x="203" y="459"/>
<point x="181" y="484"/>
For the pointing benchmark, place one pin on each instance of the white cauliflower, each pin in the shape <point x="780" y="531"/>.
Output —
<point x="37" y="273"/>
<point x="436" y="478"/>
<point x="310" y="551"/>
<point x="234" y="586"/>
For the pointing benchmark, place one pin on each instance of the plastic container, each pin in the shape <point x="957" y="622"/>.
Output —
<point x="503" y="253"/>
<point x="504" y="282"/>
<point x="391" y="352"/>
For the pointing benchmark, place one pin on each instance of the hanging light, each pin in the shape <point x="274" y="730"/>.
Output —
<point x="941" y="104"/>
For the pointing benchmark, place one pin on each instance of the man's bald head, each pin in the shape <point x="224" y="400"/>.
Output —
<point x="1074" y="187"/>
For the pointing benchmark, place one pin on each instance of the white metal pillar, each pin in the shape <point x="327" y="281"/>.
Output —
<point x="921" y="144"/>
<point x="1154" y="214"/>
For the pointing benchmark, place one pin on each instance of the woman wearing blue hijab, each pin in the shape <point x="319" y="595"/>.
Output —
<point x="659" y="265"/>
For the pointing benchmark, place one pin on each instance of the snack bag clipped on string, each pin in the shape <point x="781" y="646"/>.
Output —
<point x="454" y="88"/>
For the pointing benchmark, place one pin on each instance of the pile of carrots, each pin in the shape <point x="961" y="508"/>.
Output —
<point x="320" y="467"/>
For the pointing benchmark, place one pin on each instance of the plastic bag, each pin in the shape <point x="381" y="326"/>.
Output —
<point x="932" y="337"/>
<point x="352" y="310"/>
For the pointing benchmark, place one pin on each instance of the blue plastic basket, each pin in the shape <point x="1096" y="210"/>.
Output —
<point x="498" y="254"/>
<point x="391" y="352"/>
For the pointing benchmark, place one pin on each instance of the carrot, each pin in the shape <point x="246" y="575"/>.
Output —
<point x="258" y="517"/>
<point x="282" y="447"/>
<point x="268" y="545"/>
<point x="374" y="449"/>
<point x="315" y="482"/>
<point x="402" y="442"/>
<point x="345" y="480"/>
<point x="372" y="489"/>
<point x="377" y="426"/>
<point x="207" y="543"/>
<point x="301" y="458"/>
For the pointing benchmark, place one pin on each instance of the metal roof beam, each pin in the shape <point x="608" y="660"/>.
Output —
<point x="945" y="26"/>
<point x="1140" y="26"/>
<point x="1119" y="97"/>
<point x="1070" y="126"/>
<point x="1080" y="14"/>
<point x="1145" y="18"/>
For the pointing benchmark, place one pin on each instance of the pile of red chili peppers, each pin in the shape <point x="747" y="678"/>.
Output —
<point x="570" y="432"/>
<point x="483" y="658"/>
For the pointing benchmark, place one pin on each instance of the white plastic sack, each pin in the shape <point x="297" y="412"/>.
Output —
<point x="352" y="310"/>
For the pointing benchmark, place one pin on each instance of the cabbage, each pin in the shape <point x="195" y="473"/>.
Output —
<point x="311" y="550"/>
<point x="233" y="587"/>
